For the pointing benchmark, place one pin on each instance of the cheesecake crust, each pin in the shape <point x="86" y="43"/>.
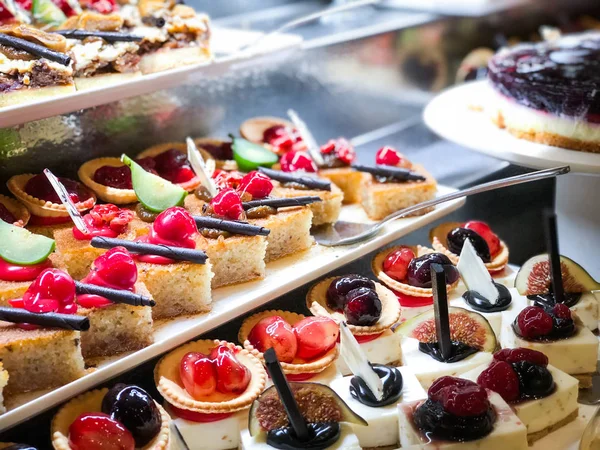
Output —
<point x="534" y="437"/>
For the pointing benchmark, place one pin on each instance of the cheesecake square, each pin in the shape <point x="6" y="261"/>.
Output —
<point x="427" y="369"/>
<point x="348" y="180"/>
<point x="382" y="430"/>
<point x="588" y="310"/>
<point x="347" y="440"/>
<point x="508" y="432"/>
<point x="326" y="211"/>
<point x="382" y="199"/>
<point x="117" y="328"/>
<point x="39" y="359"/>
<point x="385" y="349"/>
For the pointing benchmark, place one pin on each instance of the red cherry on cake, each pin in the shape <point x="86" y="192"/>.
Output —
<point x="6" y="215"/>
<point x="232" y="376"/>
<point x="114" y="269"/>
<point x="459" y="396"/>
<point x="388" y="156"/>
<point x="97" y="431"/>
<point x="275" y="332"/>
<point x="396" y="263"/>
<point x="228" y="204"/>
<point x="115" y="177"/>
<point x="484" y="230"/>
<point x="299" y="161"/>
<point x="198" y="375"/>
<point x="533" y="322"/>
<point x="174" y="226"/>
<point x="500" y="377"/>
<point x="513" y="355"/>
<point x="315" y="336"/>
<point x="52" y="291"/>
<point x="257" y="184"/>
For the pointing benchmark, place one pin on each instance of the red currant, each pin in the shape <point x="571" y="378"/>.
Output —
<point x="388" y="156"/>
<point x="257" y="184"/>
<point x="396" y="263"/>
<point x="227" y="203"/>
<point x="297" y="161"/>
<point x="500" y="377"/>
<point x="174" y="226"/>
<point x="533" y="321"/>
<point x="97" y="431"/>
<point x="484" y="230"/>
<point x="561" y="311"/>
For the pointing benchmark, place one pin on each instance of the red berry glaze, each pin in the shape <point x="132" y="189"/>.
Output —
<point x="388" y="156"/>
<point x="533" y="322"/>
<point x="275" y="332"/>
<point x="14" y="272"/>
<point x="396" y="263"/>
<point x="500" y="377"/>
<point x="298" y="161"/>
<point x="115" y="177"/>
<point x="106" y="220"/>
<point x="283" y="139"/>
<point x="484" y="230"/>
<point x="39" y="187"/>
<point x="198" y="375"/>
<point x="315" y="337"/>
<point x="257" y="184"/>
<point x="513" y="355"/>
<point x="228" y="204"/>
<point x="232" y="376"/>
<point x="6" y="215"/>
<point x="97" y="431"/>
<point x="459" y="396"/>
<point x="341" y="149"/>
<point x="561" y="311"/>
<point x="52" y="291"/>
<point x="174" y="166"/>
<point x="174" y="226"/>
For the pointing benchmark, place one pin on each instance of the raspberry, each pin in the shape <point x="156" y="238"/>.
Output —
<point x="561" y="311"/>
<point x="533" y="321"/>
<point x="341" y="149"/>
<point x="297" y="161"/>
<point x="388" y="156"/>
<point x="257" y="184"/>
<point x="513" y="355"/>
<point x="459" y="397"/>
<point x="500" y="377"/>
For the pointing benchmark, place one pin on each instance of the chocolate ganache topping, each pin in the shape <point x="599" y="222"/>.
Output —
<point x="459" y="352"/>
<point x="391" y="379"/>
<point x="322" y="435"/>
<point x="479" y="303"/>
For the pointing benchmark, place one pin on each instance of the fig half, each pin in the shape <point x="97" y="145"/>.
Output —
<point x="317" y="402"/>
<point x="466" y="326"/>
<point x="534" y="277"/>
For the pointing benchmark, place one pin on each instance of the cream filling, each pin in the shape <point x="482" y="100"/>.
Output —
<point x="385" y="349"/>
<point x="221" y="435"/>
<point x="86" y="54"/>
<point x="346" y="441"/>
<point x="526" y="119"/>
<point x="10" y="66"/>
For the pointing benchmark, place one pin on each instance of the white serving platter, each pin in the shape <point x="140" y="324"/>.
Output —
<point x="225" y="44"/>
<point x="451" y="115"/>
<point x="469" y="8"/>
<point x="233" y="301"/>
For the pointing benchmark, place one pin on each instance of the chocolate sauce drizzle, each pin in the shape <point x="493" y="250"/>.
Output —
<point x="459" y="352"/>
<point x="322" y="435"/>
<point x="392" y="387"/>
<point x="549" y="300"/>
<point x="479" y="303"/>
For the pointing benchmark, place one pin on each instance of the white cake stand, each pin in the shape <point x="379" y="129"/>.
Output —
<point x="453" y="116"/>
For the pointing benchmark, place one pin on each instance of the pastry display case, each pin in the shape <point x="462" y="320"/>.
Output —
<point x="171" y="287"/>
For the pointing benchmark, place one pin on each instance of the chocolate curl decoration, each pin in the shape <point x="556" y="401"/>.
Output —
<point x="231" y="226"/>
<point x="109" y="36"/>
<point x="114" y="295"/>
<point x="50" y="320"/>
<point x="310" y="182"/>
<point x="395" y="173"/>
<point x="281" y="202"/>
<point x="142" y="248"/>
<point x="35" y="49"/>
<point x="440" y="309"/>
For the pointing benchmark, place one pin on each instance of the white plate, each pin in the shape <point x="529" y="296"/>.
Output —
<point x="233" y="301"/>
<point x="471" y="8"/>
<point x="223" y="41"/>
<point x="450" y="115"/>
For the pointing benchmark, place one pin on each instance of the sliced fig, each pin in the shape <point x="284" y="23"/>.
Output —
<point x="466" y="326"/>
<point x="317" y="402"/>
<point x="534" y="277"/>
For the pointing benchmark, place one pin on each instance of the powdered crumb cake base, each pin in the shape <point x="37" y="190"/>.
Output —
<point x="534" y="437"/>
<point x="348" y="180"/>
<point x="92" y="402"/>
<point x="326" y="211"/>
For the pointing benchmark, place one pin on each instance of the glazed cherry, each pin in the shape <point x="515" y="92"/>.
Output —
<point x="396" y="263"/>
<point x="228" y="204"/>
<point x="39" y="187"/>
<point x="257" y="184"/>
<point x="484" y="230"/>
<point x="419" y="270"/>
<point x="337" y="290"/>
<point x="232" y="375"/>
<point x="459" y="397"/>
<point x="500" y="377"/>
<point x="174" y="166"/>
<point x="6" y="215"/>
<point x="315" y="336"/>
<point x="106" y="220"/>
<point x="174" y="226"/>
<point x="339" y="149"/>
<point x="52" y="291"/>
<point x="283" y="139"/>
<point x="513" y="355"/>
<point x="388" y="156"/>
<point x="135" y="409"/>
<point x="224" y="179"/>
<point x="534" y="322"/>
<point x="115" y="177"/>
<point x="97" y="431"/>
<point x="456" y="239"/>
<point x="299" y="161"/>
<point x="362" y="307"/>
<point x="275" y="332"/>
<point x="114" y="269"/>
<point x="198" y="375"/>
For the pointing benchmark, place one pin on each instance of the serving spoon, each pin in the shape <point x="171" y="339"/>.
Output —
<point x="346" y="233"/>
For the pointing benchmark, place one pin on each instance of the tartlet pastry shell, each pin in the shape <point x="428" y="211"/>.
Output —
<point x="17" y="209"/>
<point x="43" y="208"/>
<point x="316" y="300"/>
<point x="495" y="265"/>
<point x="105" y="193"/>
<point x="254" y="129"/>
<point x="225" y="164"/>
<point x="404" y="288"/>
<point x="166" y="376"/>
<point x="180" y="146"/>
<point x="91" y="402"/>
<point x="315" y="366"/>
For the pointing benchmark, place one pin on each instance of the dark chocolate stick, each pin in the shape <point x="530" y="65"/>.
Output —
<point x="110" y="36"/>
<point x="231" y="226"/>
<point x="50" y="320"/>
<point x="554" y="253"/>
<point x="440" y="309"/>
<point x="397" y="173"/>
<point x="114" y="295"/>
<point x="142" y="248"/>
<point x="281" y="202"/>
<point x="285" y="394"/>
<point x="35" y="49"/>
<point x="311" y="182"/>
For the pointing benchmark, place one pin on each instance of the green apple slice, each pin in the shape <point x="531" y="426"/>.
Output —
<point x="22" y="247"/>
<point x="154" y="192"/>
<point x="250" y="156"/>
<point x="46" y="12"/>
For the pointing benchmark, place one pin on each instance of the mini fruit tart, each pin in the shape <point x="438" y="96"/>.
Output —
<point x="278" y="135"/>
<point x="169" y="161"/>
<point x="305" y="346"/>
<point x="218" y="149"/>
<point x="37" y="194"/>
<point x="13" y="212"/>
<point x="124" y="417"/>
<point x="448" y="238"/>
<point x="110" y="179"/>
